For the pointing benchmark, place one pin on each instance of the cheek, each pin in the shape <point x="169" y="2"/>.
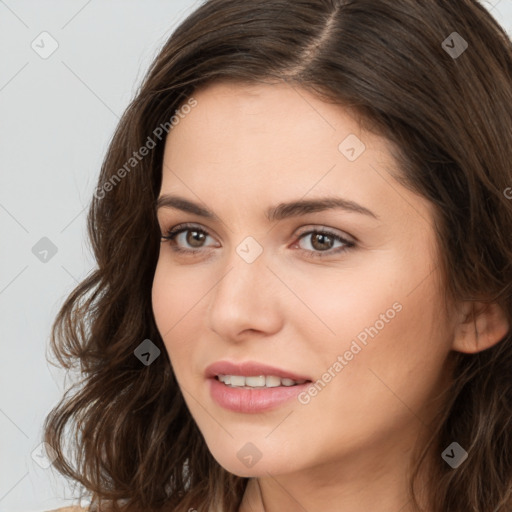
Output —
<point x="162" y="299"/>
<point x="178" y="297"/>
<point x="384" y="321"/>
<point x="168" y="301"/>
<point x="174" y="294"/>
<point x="342" y="304"/>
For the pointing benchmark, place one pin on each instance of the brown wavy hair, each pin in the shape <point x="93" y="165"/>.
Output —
<point x="134" y="445"/>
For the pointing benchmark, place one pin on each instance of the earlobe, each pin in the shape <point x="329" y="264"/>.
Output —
<point x="481" y="327"/>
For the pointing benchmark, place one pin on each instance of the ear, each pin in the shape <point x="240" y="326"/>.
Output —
<point x="481" y="326"/>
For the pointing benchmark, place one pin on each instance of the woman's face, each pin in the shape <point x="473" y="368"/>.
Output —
<point x="359" y="316"/>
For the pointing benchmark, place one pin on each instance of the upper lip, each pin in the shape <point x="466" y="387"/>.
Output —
<point x="250" y="369"/>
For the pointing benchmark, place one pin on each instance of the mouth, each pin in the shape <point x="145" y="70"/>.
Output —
<point x="252" y="387"/>
<point x="252" y="373"/>
<point x="258" y="382"/>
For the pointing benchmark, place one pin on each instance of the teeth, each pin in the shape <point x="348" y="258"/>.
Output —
<point x="254" y="382"/>
<point x="237" y="380"/>
<point x="272" y="382"/>
<point x="261" y="381"/>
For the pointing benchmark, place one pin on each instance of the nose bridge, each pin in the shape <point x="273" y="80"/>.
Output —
<point x="243" y="298"/>
<point x="246" y="272"/>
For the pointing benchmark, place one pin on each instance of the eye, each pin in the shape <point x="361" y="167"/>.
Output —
<point x="321" y="242"/>
<point x="194" y="236"/>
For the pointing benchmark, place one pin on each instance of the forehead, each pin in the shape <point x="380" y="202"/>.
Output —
<point x="266" y="131"/>
<point x="267" y="143"/>
<point x="269" y="108"/>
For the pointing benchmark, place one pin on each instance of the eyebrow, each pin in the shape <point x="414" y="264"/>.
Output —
<point x="274" y="213"/>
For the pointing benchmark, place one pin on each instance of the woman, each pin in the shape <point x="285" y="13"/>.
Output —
<point x="303" y="293"/>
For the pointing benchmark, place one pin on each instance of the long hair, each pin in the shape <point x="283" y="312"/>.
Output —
<point x="444" y="103"/>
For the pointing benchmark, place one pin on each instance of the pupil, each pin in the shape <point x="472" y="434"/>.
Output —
<point x="194" y="238"/>
<point x="323" y="239"/>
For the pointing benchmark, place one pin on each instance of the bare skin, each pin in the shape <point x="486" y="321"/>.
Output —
<point x="240" y="151"/>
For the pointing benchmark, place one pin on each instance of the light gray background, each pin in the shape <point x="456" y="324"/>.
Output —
<point x="56" y="118"/>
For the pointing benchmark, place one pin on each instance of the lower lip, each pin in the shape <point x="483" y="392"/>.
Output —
<point x="253" y="400"/>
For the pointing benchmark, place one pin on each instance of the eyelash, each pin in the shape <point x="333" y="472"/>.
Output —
<point x="172" y="233"/>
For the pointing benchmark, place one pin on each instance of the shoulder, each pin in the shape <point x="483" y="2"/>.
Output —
<point x="69" y="509"/>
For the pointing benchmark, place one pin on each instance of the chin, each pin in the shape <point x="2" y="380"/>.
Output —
<point x="238" y="462"/>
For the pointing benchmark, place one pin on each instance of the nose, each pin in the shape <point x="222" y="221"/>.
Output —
<point x="248" y="298"/>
